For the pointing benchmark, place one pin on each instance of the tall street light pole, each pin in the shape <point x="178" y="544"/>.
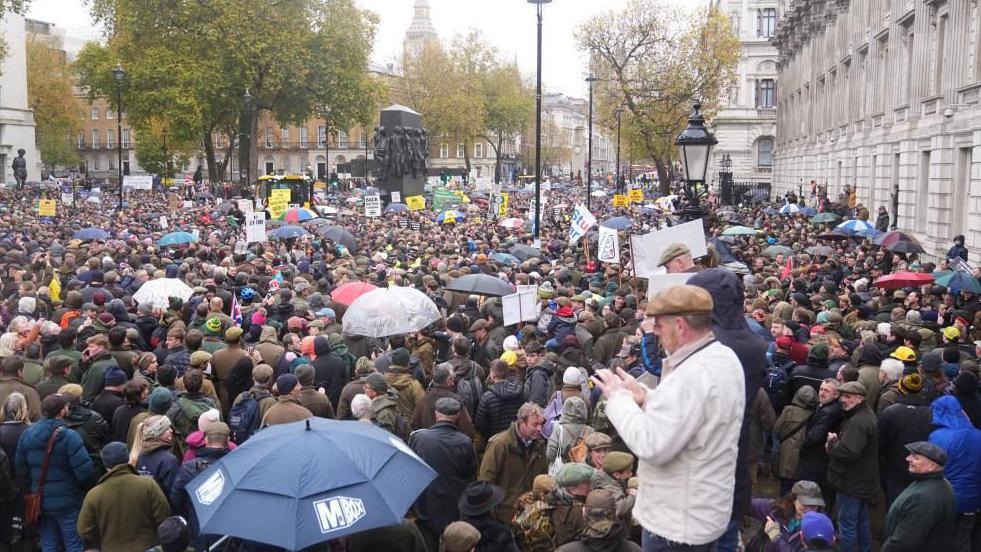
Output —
<point x="118" y="75"/>
<point x="540" y="5"/>
<point x="589" y="157"/>
<point x="619" y="114"/>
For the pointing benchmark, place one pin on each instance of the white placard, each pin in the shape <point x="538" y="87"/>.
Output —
<point x="188" y="204"/>
<point x="138" y="182"/>
<point x="657" y="282"/>
<point x="255" y="227"/>
<point x="163" y="222"/>
<point x="245" y="205"/>
<point x="241" y="247"/>
<point x="646" y="249"/>
<point x="609" y="245"/>
<point x="520" y="307"/>
<point x="372" y="206"/>
<point x="582" y="221"/>
<point x="396" y="197"/>
<point x="67" y="198"/>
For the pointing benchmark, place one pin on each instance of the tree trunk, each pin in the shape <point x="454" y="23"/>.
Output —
<point x="663" y="176"/>
<point x="466" y="158"/>
<point x="223" y="166"/>
<point x="209" y="155"/>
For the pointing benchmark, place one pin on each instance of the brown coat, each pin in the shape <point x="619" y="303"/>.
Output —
<point x="10" y="385"/>
<point x="424" y="415"/>
<point x="287" y="409"/>
<point x="316" y="402"/>
<point x="269" y="347"/>
<point x="409" y="388"/>
<point x="350" y="390"/>
<point x="222" y="363"/>
<point x="508" y="464"/>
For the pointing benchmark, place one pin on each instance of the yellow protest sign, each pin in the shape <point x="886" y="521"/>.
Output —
<point x="279" y="201"/>
<point x="502" y="210"/>
<point x="416" y="203"/>
<point x="620" y="200"/>
<point x="449" y="217"/>
<point x="636" y="196"/>
<point x="47" y="208"/>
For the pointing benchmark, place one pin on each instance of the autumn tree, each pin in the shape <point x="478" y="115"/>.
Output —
<point x="50" y="95"/>
<point x="655" y="62"/>
<point x="510" y="106"/>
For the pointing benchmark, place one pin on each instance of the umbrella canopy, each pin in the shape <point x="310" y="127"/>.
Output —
<point x="901" y="280"/>
<point x="89" y="234"/>
<point x="298" y="484"/>
<point x="225" y="207"/>
<point x="894" y="236"/>
<point x="725" y="255"/>
<point x="789" y="209"/>
<point x="525" y="252"/>
<point x="739" y="231"/>
<point x="808" y="211"/>
<point x="447" y="217"/>
<point x="481" y="284"/>
<point x="158" y="292"/>
<point x="338" y="234"/>
<point x="857" y="227"/>
<point x="511" y="223"/>
<point x="390" y="311"/>
<point x="820" y="251"/>
<point x="618" y="223"/>
<point x="272" y="223"/>
<point x="905" y="247"/>
<point x="958" y="281"/>
<point x="821" y="218"/>
<point x="313" y="223"/>
<point x="176" y="238"/>
<point x="775" y="250"/>
<point x="833" y="236"/>
<point x="505" y="258"/>
<point x="285" y="232"/>
<point x="396" y="208"/>
<point x="298" y="214"/>
<point x="347" y="293"/>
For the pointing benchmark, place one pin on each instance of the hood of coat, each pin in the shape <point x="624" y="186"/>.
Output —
<point x="947" y="413"/>
<point x="381" y="402"/>
<point x="817" y="357"/>
<point x="727" y="297"/>
<point x="574" y="411"/>
<point x="399" y="380"/>
<point x="870" y="355"/>
<point x="806" y="397"/>
<point x="507" y="390"/>
<point x="268" y="335"/>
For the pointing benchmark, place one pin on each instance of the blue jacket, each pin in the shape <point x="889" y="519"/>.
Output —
<point x="70" y="470"/>
<point x="161" y="465"/>
<point x="962" y="442"/>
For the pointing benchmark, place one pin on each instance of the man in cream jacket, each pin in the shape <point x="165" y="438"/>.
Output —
<point x="686" y="431"/>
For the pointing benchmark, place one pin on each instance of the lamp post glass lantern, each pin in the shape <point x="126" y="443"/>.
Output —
<point x="118" y="75"/>
<point x="540" y="5"/>
<point x="696" y="144"/>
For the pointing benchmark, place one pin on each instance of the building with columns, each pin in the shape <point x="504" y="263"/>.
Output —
<point x="16" y="118"/>
<point x="885" y="95"/>
<point x="746" y="125"/>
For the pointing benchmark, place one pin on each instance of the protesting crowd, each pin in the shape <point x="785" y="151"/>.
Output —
<point x="806" y="388"/>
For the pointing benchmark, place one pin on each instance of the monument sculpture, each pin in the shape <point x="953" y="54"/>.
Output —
<point x="19" y="166"/>
<point x="401" y="149"/>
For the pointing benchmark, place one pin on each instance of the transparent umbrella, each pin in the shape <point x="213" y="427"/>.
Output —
<point x="390" y="311"/>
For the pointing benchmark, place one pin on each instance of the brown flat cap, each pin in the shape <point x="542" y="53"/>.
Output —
<point x="480" y="324"/>
<point x="673" y="251"/>
<point x="677" y="300"/>
<point x="597" y="440"/>
<point x="852" y="388"/>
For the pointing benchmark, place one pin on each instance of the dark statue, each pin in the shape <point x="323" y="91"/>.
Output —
<point x="401" y="151"/>
<point x="20" y="169"/>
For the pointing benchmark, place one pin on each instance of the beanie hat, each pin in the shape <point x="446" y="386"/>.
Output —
<point x="115" y="376"/>
<point x="173" y="534"/>
<point x="114" y="454"/>
<point x="207" y="417"/>
<point x="511" y="343"/>
<point x="543" y="484"/>
<point x="155" y="426"/>
<point x="258" y="319"/>
<point x="400" y="357"/>
<point x="212" y="326"/>
<point x="966" y="384"/>
<point x="160" y="400"/>
<point x="510" y="358"/>
<point x="910" y="384"/>
<point x="572" y="376"/>
<point x="285" y="383"/>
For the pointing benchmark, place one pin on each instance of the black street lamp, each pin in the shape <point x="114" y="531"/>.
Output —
<point x="619" y="114"/>
<point x="895" y="207"/>
<point x="696" y="144"/>
<point x="540" y="5"/>
<point x="245" y="143"/>
<point x="118" y="75"/>
<point x="589" y="157"/>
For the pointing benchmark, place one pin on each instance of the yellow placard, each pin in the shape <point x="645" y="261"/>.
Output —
<point x="620" y="200"/>
<point x="637" y="196"/>
<point x="279" y="201"/>
<point x="449" y="217"/>
<point x="47" y="208"/>
<point x="502" y="210"/>
<point x="415" y="203"/>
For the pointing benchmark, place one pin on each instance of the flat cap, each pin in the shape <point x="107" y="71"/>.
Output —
<point x="217" y="428"/>
<point x="572" y="474"/>
<point x="618" y="461"/>
<point x="200" y="358"/>
<point x="233" y="334"/>
<point x="460" y="536"/>
<point x="930" y="450"/>
<point x="852" y="388"/>
<point x="377" y="382"/>
<point x="478" y="325"/>
<point x="678" y="300"/>
<point x="448" y="406"/>
<point x="672" y="252"/>
<point x="598" y="440"/>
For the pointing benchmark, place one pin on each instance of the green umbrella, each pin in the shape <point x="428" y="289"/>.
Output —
<point x="739" y="231"/>
<point x="775" y="250"/>
<point x="825" y="217"/>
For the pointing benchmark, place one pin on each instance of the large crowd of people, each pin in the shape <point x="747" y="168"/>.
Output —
<point x="783" y="399"/>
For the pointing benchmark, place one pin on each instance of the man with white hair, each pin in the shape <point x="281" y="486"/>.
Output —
<point x="890" y="371"/>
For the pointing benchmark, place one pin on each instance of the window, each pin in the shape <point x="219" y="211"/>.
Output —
<point x="478" y="150"/>
<point x="125" y="137"/>
<point x="112" y="163"/>
<point x="81" y="139"/>
<point x="766" y="22"/>
<point x="940" y="53"/>
<point x="341" y="139"/>
<point x="304" y="136"/>
<point x="95" y="138"/>
<point x="95" y="163"/>
<point x="110" y="114"/>
<point x="284" y="137"/>
<point x="286" y="164"/>
<point x="764" y="152"/>
<point x="363" y="141"/>
<point x="95" y="113"/>
<point x="82" y="115"/>
<point x="461" y="150"/>
<point x="321" y="135"/>
<point x="766" y="93"/>
<point x="268" y="134"/>
<point x="444" y="151"/>
<point x="110" y="138"/>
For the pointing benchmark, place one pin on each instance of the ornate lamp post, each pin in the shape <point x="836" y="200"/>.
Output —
<point x="540" y="5"/>
<point x="619" y="114"/>
<point x="118" y="75"/>
<point x="245" y="144"/>
<point x="589" y="156"/>
<point x="696" y="144"/>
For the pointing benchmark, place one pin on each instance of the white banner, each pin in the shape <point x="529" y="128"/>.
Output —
<point x="582" y="221"/>
<point x="521" y="306"/>
<point x="67" y="198"/>
<point x="646" y="249"/>
<point x="396" y="197"/>
<point x="245" y="205"/>
<point x="255" y="227"/>
<point x="163" y="222"/>
<point x="138" y="182"/>
<point x="659" y="281"/>
<point x="372" y="206"/>
<point x="609" y="245"/>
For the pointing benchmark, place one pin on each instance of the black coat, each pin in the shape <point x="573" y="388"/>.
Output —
<point x="330" y="372"/>
<point x="106" y="403"/>
<point x="451" y="455"/>
<point x="731" y="329"/>
<point x="853" y="461"/>
<point x="813" y="460"/>
<point x="494" y="535"/>
<point x="498" y="408"/>
<point x="907" y="421"/>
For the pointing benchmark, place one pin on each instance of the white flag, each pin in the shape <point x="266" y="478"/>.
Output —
<point x="255" y="226"/>
<point x="582" y="221"/>
<point x="609" y="245"/>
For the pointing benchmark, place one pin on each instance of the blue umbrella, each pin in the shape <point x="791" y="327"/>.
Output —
<point x="618" y="223"/>
<point x="457" y="215"/>
<point x="289" y="231"/>
<point x="857" y="227"/>
<point x="89" y="234"/>
<point x="808" y="211"/>
<point x="959" y="281"/>
<point x="789" y="209"/>
<point x="505" y="258"/>
<point x="298" y="484"/>
<point x="396" y="208"/>
<point x="176" y="238"/>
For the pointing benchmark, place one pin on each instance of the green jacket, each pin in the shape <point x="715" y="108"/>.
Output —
<point x="853" y="460"/>
<point x="122" y="512"/>
<point x="93" y="377"/>
<point x="923" y="517"/>
<point x="512" y="466"/>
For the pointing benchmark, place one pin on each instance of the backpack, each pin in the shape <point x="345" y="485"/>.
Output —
<point x="186" y="419"/>
<point x="534" y="524"/>
<point x="402" y="428"/>
<point x="553" y="411"/>
<point x="600" y="422"/>
<point x="244" y="418"/>
<point x="775" y="384"/>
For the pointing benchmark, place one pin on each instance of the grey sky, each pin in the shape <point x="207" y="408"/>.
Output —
<point x="508" y="24"/>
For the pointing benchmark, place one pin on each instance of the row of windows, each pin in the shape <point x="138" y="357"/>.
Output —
<point x="478" y="151"/>
<point x="110" y="138"/>
<point x="96" y="111"/>
<point x="766" y="22"/>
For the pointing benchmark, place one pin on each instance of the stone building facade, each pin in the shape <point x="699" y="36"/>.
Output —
<point x="885" y="95"/>
<point x="16" y="117"/>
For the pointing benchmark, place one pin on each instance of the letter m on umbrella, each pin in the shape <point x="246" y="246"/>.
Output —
<point x="338" y="513"/>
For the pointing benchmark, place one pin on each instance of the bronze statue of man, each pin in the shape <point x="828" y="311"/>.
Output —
<point x="20" y="169"/>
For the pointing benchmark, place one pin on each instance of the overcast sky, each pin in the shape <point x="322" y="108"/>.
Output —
<point x="508" y="24"/>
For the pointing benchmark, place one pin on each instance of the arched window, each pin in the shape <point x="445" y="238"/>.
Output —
<point x="764" y="152"/>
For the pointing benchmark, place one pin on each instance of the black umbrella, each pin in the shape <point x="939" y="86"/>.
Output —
<point x="904" y="246"/>
<point x="525" y="252"/>
<point x="820" y="251"/>
<point x="339" y="235"/>
<point x="481" y="284"/>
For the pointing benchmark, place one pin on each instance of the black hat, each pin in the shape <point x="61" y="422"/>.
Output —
<point x="479" y="498"/>
<point x="929" y="450"/>
<point x="173" y="535"/>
